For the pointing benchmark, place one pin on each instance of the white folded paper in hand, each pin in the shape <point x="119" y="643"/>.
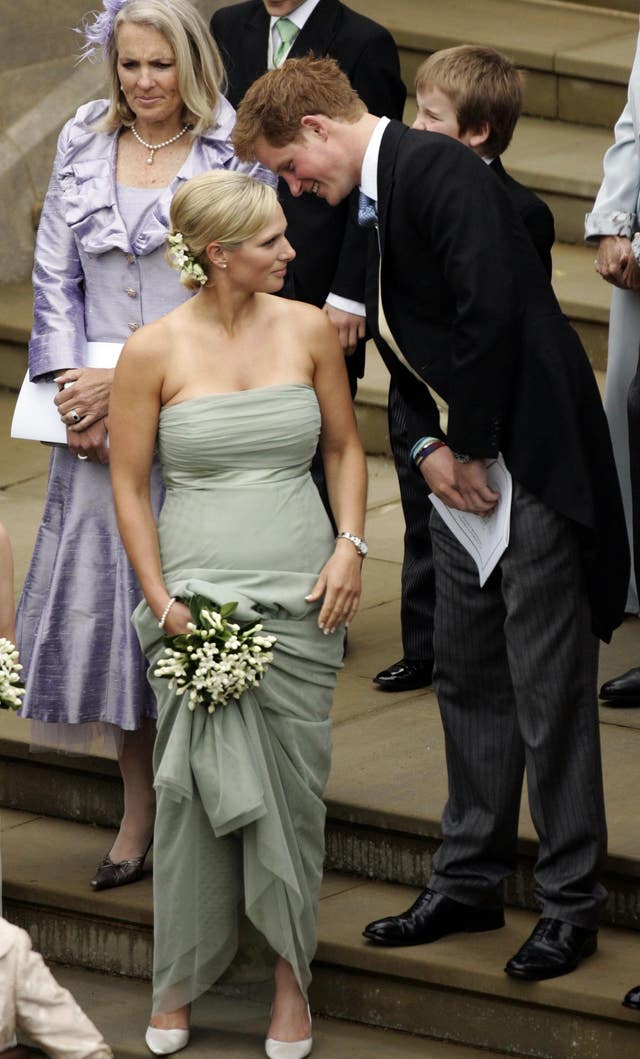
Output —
<point x="485" y="537"/>
<point x="36" y="417"/>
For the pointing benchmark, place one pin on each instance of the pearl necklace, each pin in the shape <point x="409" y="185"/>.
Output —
<point x="153" y="147"/>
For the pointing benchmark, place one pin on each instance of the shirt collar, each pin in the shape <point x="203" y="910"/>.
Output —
<point x="369" y="174"/>
<point x="299" y="16"/>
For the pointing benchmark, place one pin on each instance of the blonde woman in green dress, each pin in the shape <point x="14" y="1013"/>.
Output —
<point x="234" y="387"/>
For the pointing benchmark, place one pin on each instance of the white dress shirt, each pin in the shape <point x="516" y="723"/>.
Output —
<point x="298" y="16"/>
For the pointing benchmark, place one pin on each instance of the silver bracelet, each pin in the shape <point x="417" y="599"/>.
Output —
<point x="165" y="612"/>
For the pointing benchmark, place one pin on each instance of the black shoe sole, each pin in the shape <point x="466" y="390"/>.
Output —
<point x="405" y="944"/>
<point x="391" y="685"/>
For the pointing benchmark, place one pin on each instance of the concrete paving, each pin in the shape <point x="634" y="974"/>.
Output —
<point x="235" y="1028"/>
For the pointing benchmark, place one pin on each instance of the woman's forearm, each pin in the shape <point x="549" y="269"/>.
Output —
<point x="139" y="535"/>
<point x="345" y="471"/>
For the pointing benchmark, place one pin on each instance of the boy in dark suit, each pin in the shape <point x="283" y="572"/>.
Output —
<point x="465" y="307"/>
<point x="473" y="94"/>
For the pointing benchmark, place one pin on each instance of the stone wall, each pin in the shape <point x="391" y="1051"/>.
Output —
<point x="41" y="86"/>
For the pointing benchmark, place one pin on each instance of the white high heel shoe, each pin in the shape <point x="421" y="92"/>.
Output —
<point x="165" y="1042"/>
<point x="289" y="1049"/>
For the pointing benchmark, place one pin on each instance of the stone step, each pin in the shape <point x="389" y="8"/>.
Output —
<point x="16" y="316"/>
<point x="383" y="821"/>
<point x="235" y="1027"/>
<point x="561" y="161"/>
<point x="614" y="5"/>
<point x="454" y="990"/>
<point x="577" y="57"/>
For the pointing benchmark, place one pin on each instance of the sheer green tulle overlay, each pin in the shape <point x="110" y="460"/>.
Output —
<point x="240" y="823"/>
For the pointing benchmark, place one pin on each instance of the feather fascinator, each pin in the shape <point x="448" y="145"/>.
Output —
<point x="97" y="29"/>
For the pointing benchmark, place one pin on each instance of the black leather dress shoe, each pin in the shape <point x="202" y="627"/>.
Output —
<point x="554" y="948"/>
<point x="431" y="917"/>
<point x="623" y="690"/>
<point x="405" y="675"/>
<point x="632" y="999"/>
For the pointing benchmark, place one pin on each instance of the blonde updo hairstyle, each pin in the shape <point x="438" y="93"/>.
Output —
<point x="201" y="75"/>
<point x="218" y="206"/>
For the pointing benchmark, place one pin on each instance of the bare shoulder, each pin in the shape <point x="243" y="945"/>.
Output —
<point x="149" y="346"/>
<point x="308" y="321"/>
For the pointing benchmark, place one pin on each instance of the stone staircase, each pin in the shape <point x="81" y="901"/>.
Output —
<point x="388" y="783"/>
<point x="384" y="799"/>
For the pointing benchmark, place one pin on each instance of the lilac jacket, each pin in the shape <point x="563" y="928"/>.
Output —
<point x="92" y="281"/>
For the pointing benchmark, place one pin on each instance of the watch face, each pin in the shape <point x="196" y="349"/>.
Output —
<point x="363" y="549"/>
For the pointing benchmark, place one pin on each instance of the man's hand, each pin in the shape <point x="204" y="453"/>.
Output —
<point x="349" y="326"/>
<point x="613" y="259"/>
<point x="460" y="485"/>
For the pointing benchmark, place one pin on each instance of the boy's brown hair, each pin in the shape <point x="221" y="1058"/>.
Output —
<point x="277" y="102"/>
<point x="483" y="85"/>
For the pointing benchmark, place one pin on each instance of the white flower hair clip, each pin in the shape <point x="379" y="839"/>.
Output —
<point x="183" y="259"/>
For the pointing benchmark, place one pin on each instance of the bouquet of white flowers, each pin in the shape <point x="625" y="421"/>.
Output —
<point x="217" y="659"/>
<point x="11" y="687"/>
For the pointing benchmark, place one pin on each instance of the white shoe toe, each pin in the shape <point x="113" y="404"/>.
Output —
<point x="165" y="1042"/>
<point x="288" y="1049"/>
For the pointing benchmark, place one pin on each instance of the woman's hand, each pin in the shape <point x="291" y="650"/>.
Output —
<point x="84" y="392"/>
<point x="90" y="444"/>
<point x="340" y="583"/>
<point x="613" y="257"/>
<point x="177" y="618"/>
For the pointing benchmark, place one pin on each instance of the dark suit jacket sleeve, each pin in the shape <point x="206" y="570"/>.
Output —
<point x="227" y="28"/>
<point x="538" y="220"/>
<point x="376" y="78"/>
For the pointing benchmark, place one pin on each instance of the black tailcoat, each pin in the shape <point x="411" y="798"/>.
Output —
<point x="471" y="308"/>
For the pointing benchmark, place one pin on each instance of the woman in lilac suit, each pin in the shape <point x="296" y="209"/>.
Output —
<point x="100" y="273"/>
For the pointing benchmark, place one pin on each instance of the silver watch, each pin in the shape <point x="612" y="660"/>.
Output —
<point x="360" y="544"/>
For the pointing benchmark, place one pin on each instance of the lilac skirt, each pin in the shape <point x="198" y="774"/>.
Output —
<point x="82" y="661"/>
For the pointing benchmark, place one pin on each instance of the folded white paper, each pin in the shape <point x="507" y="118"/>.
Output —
<point x="36" y="417"/>
<point x="485" y="537"/>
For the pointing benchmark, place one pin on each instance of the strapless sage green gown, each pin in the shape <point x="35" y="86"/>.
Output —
<point x="240" y="818"/>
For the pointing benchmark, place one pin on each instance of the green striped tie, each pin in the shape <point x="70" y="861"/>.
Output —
<point x="287" y="31"/>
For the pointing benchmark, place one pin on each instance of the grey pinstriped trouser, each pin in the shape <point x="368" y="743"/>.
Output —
<point x="516" y="672"/>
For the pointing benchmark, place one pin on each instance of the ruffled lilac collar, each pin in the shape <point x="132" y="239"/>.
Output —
<point x="87" y="177"/>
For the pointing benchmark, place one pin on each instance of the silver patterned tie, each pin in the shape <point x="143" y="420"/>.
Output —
<point x="367" y="211"/>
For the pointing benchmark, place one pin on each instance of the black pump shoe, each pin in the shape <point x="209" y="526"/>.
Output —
<point x="109" y="874"/>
